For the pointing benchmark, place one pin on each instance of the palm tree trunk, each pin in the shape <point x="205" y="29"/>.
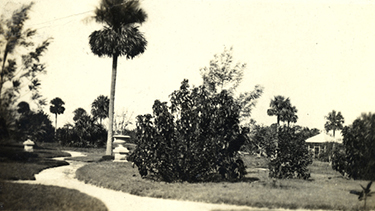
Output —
<point x="55" y="122"/>
<point x="111" y="106"/>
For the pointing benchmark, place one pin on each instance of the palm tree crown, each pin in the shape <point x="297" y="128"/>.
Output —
<point x="282" y="108"/>
<point x="277" y="105"/>
<point x="79" y="113"/>
<point x="334" y="122"/>
<point x="57" y="107"/>
<point x="99" y="108"/>
<point x="120" y="35"/>
<point x="289" y="114"/>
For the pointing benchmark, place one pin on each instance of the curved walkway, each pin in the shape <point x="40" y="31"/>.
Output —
<point x="64" y="176"/>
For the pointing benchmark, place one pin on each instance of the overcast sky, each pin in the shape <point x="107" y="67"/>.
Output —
<point x="321" y="55"/>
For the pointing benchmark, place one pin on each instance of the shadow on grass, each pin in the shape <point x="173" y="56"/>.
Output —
<point x="17" y="164"/>
<point x="249" y="179"/>
<point x="16" y="196"/>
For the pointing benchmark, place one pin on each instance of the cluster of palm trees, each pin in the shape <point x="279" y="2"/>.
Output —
<point x="99" y="110"/>
<point x="282" y="108"/>
<point x="87" y="129"/>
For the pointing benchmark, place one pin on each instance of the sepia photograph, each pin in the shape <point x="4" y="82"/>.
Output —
<point x="189" y="105"/>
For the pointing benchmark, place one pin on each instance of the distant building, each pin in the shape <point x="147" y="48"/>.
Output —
<point x="320" y="143"/>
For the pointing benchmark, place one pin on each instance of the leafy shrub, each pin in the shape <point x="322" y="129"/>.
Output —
<point x="264" y="140"/>
<point x="292" y="157"/>
<point x="327" y="154"/>
<point x="339" y="159"/>
<point x="359" y="143"/>
<point x="195" y="139"/>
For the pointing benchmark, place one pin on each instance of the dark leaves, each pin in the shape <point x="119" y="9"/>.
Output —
<point x="127" y="41"/>
<point x="57" y="106"/>
<point x="116" y="13"/>
<point x="16" y="84"/>
<point x="191" y="139"/>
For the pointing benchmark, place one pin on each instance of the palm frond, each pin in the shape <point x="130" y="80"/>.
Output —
<point x="127" y="41"/>
<point x="369" y="186"/>
<point x="116" y="13"/>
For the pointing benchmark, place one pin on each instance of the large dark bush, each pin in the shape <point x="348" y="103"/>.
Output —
<point x="194" y="139"/>
<point x="292" y="157"/>
<point x="359" y="143"/>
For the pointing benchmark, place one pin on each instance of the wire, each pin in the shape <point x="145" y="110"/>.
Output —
<point x="57" y="19"/>
<point x="77" y="14"/>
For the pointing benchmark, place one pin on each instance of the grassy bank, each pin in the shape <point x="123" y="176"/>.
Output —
<point x="16" y="164"/>
<point x="16" y="196"/>
<point x="326" y="189"/>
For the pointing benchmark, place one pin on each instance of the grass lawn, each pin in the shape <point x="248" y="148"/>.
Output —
<point x="325" y="190"/>
<point x="16" y="164"/>
<point x="19" y="196"/>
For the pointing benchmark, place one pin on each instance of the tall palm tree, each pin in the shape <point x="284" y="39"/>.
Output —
<point x="279" y="106"/>
<point x="57" y="107"/>
<point x="119" y="37"/>
<point x="99" y="108"/>
<point x="334" y="122"/>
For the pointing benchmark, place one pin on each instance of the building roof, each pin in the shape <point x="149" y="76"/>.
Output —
<point x="325" y="137"/>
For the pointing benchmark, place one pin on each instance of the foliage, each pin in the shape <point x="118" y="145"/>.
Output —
<point x="20" y="68"/>
<point x="85" y="132"/>
<point x="247" y="102"/>
<point x="18" y="80"/>
<point x="263" y="140"/>
<point x="7" y="123"/>
<point x="35" y="126"/>
<point x="119" y="37"/>
<point x="306" y="132"/>
<point x="327" y="154"/>
<point x="193" y="139"/>
<point x="79" y="113"/>
<point x="292" y="157"/>
<point x="334" y="122"/>
<point x="283" y="110"/>
<point x="364" y="194"/>
<point x="99" y="108"/>
<point x="57" y="107"/>
<point x="339" y="162"/>
<point x="359" y="142"/>
<point x="223" y="74"/>
<point x="89" y="133"/>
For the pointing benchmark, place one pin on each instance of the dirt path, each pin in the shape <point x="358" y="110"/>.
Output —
<point x="64" y="176"/>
